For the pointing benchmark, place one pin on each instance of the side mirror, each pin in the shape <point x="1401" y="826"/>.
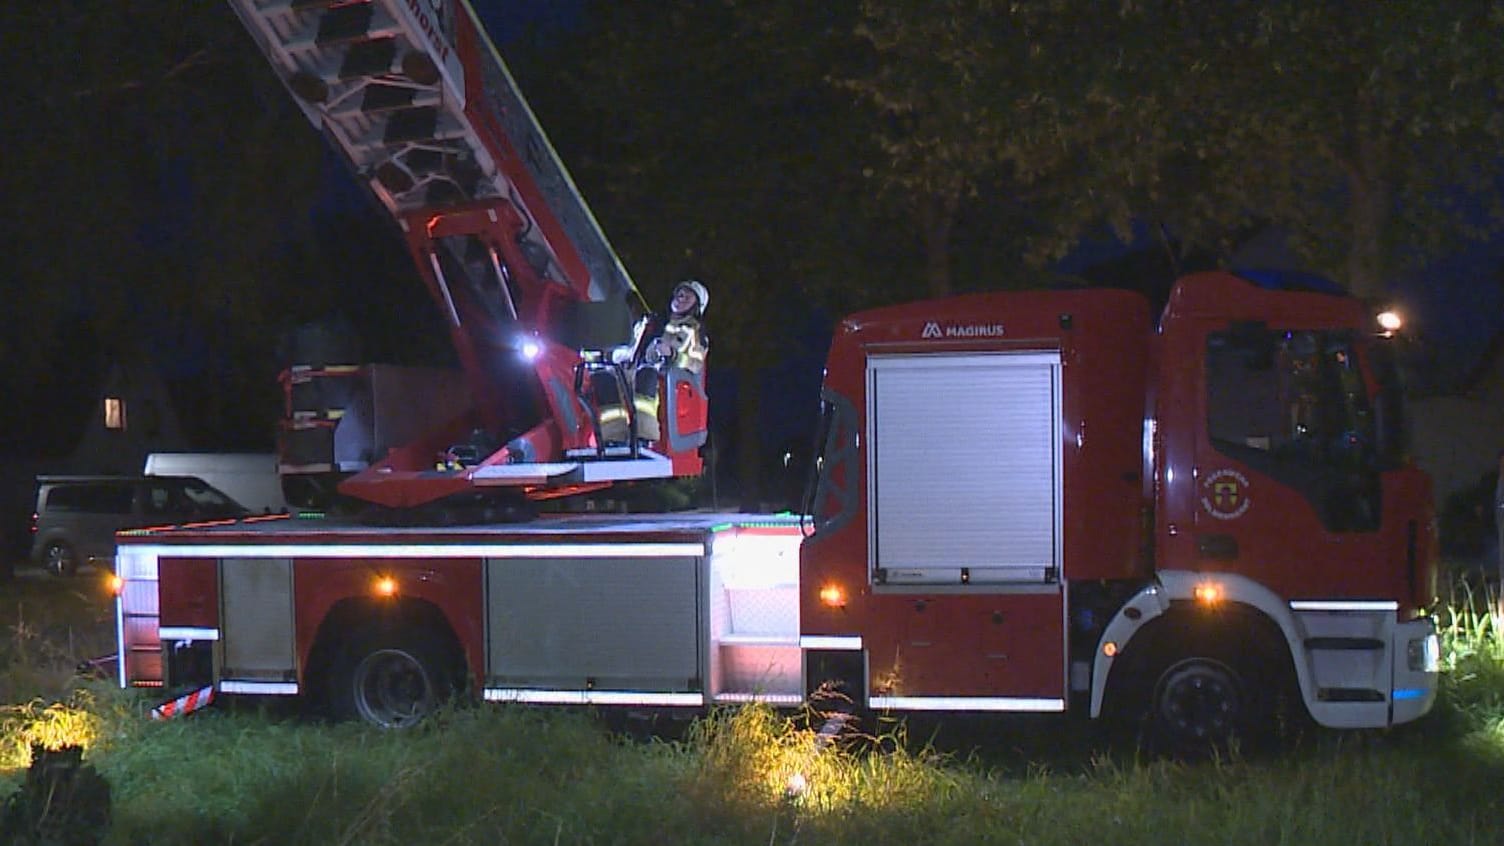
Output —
<point x="1391" y="435"/>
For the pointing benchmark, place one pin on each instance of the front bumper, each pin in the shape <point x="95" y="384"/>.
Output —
<point x="1417" y="670"/>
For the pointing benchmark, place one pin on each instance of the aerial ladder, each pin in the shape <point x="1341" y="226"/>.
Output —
<point x="415" y="96"/>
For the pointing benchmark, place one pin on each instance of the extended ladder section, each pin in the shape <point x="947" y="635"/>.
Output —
<point x="416" y="97"/>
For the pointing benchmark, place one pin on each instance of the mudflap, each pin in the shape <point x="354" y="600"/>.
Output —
<point x="184" y="705"/>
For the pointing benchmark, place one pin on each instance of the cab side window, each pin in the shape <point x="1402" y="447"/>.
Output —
<point x="1293" y="405"/>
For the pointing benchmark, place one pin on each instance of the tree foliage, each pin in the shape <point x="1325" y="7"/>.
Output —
<point x="1370" y="133"/>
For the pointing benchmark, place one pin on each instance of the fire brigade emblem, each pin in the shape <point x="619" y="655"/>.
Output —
<point x="1224" y="494"/>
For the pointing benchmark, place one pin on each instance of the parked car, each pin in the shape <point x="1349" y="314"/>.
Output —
<point x="76" y="517"/>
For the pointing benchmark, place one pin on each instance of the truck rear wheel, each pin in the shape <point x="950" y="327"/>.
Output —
<point x="391" y="678"/>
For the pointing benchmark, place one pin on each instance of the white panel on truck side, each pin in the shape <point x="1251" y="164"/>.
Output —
<point x="257" y="614"/>
<point x="620" y="624"/>
<point x="964" y="468"/>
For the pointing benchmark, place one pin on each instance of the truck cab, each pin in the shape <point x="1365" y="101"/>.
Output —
<point x="1286" y="447"/>
<point x="1038" y="501"/>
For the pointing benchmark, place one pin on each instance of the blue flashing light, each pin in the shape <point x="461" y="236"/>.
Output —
<point x="1406" y="693"/>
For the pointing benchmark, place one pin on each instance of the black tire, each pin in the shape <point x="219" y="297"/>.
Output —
<point x="1200" y="705"/>
<point x="1198" y="684"/>
<point x="59" y="559"/>
<point x="392" y="678"/>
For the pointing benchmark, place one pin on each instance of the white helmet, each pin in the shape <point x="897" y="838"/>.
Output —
<point x="702" y="296"/>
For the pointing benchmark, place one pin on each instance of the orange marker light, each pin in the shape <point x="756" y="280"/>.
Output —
<point x="1208" y="594"/>
<point x="386" y="586"/>
<point x="116" y="585"/>
<point x="833" y="596"/>
<point x="1110" y="649"/>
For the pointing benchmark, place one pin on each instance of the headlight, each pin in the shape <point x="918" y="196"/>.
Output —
<point x="1425" y="654"/>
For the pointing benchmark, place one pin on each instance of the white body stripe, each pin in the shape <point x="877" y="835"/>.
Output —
<point x="965" y="703"/>
<point x="269" y="688"/>
<point x="1343" y="605"/>
<point x="848" y="642"/>
<point x="187" y="633"/>
<point x="120" y="636"/>
<point x="419" y="550"/>
<point x="769" y="698"/>
<point x="591" y="697"/>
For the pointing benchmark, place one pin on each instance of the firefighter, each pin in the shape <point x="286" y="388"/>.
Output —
<point x="673" y="338"/>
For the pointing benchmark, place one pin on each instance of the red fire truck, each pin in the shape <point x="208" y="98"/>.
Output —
<point x="1022" y="502"/>
<point x="1025" y="501"/>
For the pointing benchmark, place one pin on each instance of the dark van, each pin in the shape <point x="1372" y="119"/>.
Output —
<point x="76" y="517"/>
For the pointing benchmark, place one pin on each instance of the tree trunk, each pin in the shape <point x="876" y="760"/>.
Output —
<point x="1368" y="217"/>
<point x="937" y="216"/>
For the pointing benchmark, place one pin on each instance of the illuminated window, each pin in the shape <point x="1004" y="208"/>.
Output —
<point x="114" y="413"/>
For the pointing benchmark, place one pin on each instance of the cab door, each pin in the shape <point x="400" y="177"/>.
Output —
<point x="1288" y="487"/>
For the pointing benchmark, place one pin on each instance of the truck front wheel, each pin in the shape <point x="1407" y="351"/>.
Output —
<point x="1199" y="705"/>
<point x="391" y="679"/>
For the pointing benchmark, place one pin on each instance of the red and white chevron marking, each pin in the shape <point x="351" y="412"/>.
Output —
<point x="184" y="705"/>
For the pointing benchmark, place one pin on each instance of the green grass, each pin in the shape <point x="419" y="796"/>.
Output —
<point x="47" y="627"/>
<point x="521" y="776"/>
<point x="513" y="775"/>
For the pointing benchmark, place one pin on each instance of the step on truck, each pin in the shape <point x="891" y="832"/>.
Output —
<point x="1032" y="501"/>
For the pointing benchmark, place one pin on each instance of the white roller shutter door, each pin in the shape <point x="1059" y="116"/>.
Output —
<point x="963" y="451"/>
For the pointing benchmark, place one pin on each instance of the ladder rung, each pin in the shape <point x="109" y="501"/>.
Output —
<point x="386" y="98"/>
<point x="344" y="23"/>
<point x="415" y="124"/>
<point x="425" y="162"/>
<point x="368" y="58"/>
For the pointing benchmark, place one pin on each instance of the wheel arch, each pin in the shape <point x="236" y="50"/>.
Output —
<point x="59" y="537"/>
<point x="1149" y="623"/>
<point x="46" y="538"/>
<point x="352" y="618"/>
